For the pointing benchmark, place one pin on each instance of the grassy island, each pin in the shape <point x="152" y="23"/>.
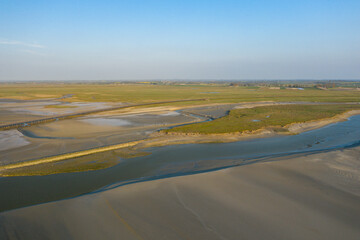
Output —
<point x="251" y="119"/>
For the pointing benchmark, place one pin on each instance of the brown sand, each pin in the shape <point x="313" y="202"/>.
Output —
<point x="307" y="197"/>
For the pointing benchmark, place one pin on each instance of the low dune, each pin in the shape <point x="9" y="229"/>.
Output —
<point x="304" y="197"/>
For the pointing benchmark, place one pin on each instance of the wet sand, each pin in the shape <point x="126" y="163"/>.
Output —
<point x="115" y="166"/>
<point x="8" y="117"/>
<point x="49" y="107"/>
<point x="12" y="139"/>
<point x="135" y="125"/>
<point x="307" y="197"/>
<point x="72" y="135"/>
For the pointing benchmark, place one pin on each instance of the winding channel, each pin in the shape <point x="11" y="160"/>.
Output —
<point x="175" y="160"/>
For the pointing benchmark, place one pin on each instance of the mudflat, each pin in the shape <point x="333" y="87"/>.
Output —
<point x="305" y="197"/>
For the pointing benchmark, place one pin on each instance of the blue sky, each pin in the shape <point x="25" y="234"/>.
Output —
<point x="224" y="39"/>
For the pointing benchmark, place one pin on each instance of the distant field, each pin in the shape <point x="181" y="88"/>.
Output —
<point x="59" y="106"/>
<point x="240" y="120"/>
<point x="135" y="93"/>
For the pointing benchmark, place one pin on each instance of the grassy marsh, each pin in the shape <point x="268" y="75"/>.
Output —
<point x="91" y="162"/>
<point x="276" y="117"/>
<point x="141" y="93"/>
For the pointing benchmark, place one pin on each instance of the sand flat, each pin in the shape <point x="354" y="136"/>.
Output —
<point x="309" y="197"/>
<point x="10" y="139"/>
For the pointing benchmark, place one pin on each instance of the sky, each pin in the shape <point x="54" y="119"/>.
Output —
<point x="183" y="39"/>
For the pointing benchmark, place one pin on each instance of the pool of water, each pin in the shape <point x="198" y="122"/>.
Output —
<point x="108" y="122"/>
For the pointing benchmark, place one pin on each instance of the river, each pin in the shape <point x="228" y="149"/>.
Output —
<point x="175" y="160"/>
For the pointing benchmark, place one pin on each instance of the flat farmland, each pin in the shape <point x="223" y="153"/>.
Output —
<point x="139" y="93"/>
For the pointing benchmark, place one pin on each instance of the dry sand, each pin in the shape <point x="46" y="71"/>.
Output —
<point x="306" y="197"/>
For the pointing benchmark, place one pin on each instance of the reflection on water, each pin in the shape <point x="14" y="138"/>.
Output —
<point x="174" y="160"/>
<point x="173" y="113"/>
<point x="107" y="122"/>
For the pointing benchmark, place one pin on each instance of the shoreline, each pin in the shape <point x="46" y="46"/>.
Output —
<point x="291" y="129"/>
<point x="159" y="139"/>
<point x="321" y="191"/>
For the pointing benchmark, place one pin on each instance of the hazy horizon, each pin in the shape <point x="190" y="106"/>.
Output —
<point x="179" y="40"/>
<point x="181" y="80"/>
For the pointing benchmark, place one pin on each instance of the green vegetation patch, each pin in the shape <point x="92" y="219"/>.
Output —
<point x="90" y="162"/>
<point x="85" y="163"/>
<point x="142" y="93"/>
<point x="275" y="117"/>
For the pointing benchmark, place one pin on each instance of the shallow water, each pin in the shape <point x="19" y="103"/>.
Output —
<point x="108" y="122"/>
<point x="175" y="160"/>
<point x="173" y="113"/>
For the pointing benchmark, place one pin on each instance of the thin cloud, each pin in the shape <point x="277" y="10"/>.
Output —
<point x="32" y="45"/>
<point x="34" y="52"/>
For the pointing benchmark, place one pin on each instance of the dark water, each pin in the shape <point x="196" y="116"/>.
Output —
<point x="175" y="160"/>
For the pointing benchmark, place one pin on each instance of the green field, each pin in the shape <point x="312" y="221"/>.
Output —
<point x="136" y="93"/>
<point x="90" y="162"/>
<point x="251" y="119"/>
